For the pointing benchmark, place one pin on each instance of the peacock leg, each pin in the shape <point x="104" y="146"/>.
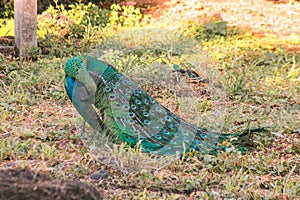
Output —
<point x="82" y="128"/>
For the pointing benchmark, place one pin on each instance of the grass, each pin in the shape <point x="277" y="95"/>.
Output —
<point x="261" y="79"/>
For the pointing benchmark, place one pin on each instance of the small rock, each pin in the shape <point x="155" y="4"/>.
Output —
<point x="103" y="174"/>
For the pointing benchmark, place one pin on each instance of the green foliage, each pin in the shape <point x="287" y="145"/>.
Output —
<point x="6" y="9"/>
<point x="66" y="31"/>
<point x="211" y="29"/>
<point x="76" y="21"/>
<point x="124" y="16"/>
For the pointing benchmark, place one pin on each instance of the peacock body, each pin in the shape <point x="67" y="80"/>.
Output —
<point x="115" y="106"/>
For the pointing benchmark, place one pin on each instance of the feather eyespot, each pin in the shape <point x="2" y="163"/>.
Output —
<point x="146" y="101"/>
<point x="152" y="100"/>
<point x="166" y="132"/>
<point x="136" y="93"/>
<point x="138" y="102"/>
<point x="107" y="89"/>
<point x="125" y="107"/>
<point x="112" y="97"/>
<point x="131" y="121"/>
<point x="168" y="118"/>
<point x="131" y="114"/>
<point x="133" y="107"/>
<point x="171" y="126"/>
<point x="118" y="105"/>
<point x="147" y="122"/>
<point x="145" y="114"/>
<point x="158" y="108"/>
<point x="158" y="137"/>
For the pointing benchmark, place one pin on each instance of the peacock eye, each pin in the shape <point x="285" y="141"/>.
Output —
<point x="146" y="101"/>
<point x="131" y="114"/>
<point x="118" y="105"/>
<point x="168" y="118"/>
<point x="158" y="137"/>
<point x="131" y="121"/>
<point x="107" y="89"/>
<point x="152" y="100"/>
<point x="133" y="107"/>
<point x="171" y="126"/>
<point x="136" y="132"/>
<point x="138" y="102"/>
<point x="147" y="122"/>
<point x="165" y="131"/>
<point x="157" y="108"/>
<point x="126" y="107"/>
<point x="145" y="114"/>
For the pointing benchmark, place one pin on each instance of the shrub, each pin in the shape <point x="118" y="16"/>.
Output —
<point x="210" y="30"/>
<point x="125" y="16"/>
<point x="76" y="21"/>
<point x="6" y="9"/>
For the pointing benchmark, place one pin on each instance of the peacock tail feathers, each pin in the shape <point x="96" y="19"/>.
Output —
<point x="124" y="112"/>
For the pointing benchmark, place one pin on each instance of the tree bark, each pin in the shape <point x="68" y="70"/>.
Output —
<point x="25" y="16"/>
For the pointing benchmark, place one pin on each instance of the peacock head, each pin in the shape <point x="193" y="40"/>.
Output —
<point x="76" y="68"/>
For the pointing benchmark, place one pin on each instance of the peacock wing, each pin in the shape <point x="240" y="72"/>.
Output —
<point x="78" y="94"/>
<point x="136" y="117"/>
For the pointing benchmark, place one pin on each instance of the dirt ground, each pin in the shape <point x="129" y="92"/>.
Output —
<point x="280" y="18"/>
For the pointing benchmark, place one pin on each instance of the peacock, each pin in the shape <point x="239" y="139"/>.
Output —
<point x="114" y="105"/>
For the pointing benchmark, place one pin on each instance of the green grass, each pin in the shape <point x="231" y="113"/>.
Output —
<point x="261" y="78"/>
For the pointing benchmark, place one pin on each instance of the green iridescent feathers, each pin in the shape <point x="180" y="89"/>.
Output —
<point x="123" y="111"/>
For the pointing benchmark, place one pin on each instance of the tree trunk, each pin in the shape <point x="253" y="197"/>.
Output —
<point x="25" y="15"/>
